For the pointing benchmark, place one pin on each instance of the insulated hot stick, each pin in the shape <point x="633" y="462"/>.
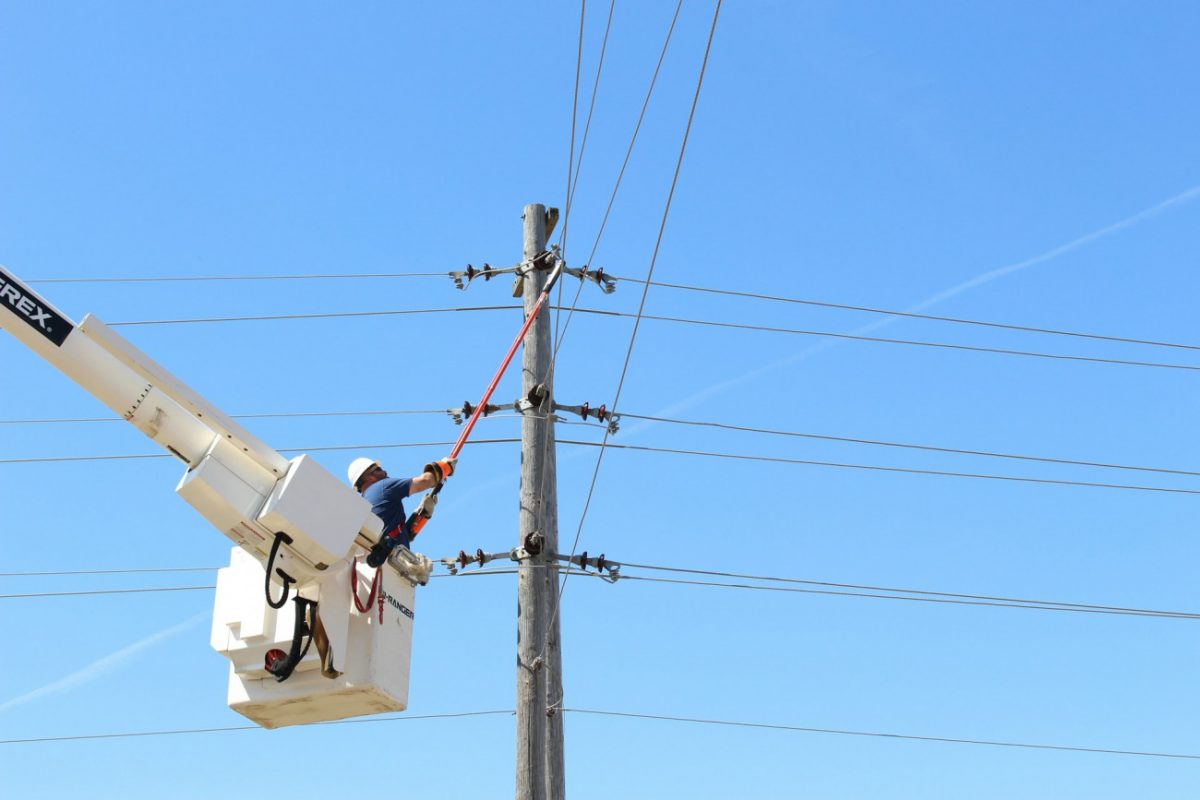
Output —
<point x="418" y="519"/>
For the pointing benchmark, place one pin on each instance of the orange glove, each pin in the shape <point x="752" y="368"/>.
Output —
<point x="442" y="469"/>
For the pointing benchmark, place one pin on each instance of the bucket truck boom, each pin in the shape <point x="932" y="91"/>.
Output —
<point x="239" y="484"/>
<point x="295" y="515"/>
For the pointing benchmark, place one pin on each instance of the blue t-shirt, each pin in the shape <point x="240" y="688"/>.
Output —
<point x="387" y="501"/>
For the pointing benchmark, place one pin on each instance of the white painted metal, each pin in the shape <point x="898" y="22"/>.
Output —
<point x="319" y="512"/>
<point x="250" y="493"/>
<point x="191" y="403"/>
<point x="231" y="474"/>
<point x="371" y="649"/>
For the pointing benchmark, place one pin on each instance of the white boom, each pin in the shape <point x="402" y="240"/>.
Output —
<point x="260" y="500"/>
<point x="238" y="483"/>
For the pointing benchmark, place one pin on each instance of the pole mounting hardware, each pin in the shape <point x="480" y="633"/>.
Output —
<point x="601" y="414"/>
<point x="607" y="284"/>
<point x="600" y="563"/>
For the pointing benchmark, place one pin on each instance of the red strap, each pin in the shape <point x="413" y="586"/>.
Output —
<point x="365" y="607"/>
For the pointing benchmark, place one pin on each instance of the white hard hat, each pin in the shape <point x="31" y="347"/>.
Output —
<point x="358" y="468"/>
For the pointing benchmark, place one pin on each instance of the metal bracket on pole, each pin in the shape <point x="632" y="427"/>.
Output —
<point x="534" y="401"/>
<point x="463" y="279"/>
<point x="466" y="410"/>
<point x="600" y="563"/>
<point x="465" y="559"/>
<point x="534" y="543"/>
<point x="601" y="414"/>
<point x="607" y="284"/>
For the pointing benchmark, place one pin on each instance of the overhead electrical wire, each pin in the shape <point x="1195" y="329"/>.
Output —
<point x="863" y="590"/>
<point x="572" y="186"/>
<point x="573" y="183"/>
<point x="574" y="113"/>
<point x="625" y="715"/>
<point x="929" y="592"/>
<point x="557" y="596"/>
<point x="833" y="589"/>
<point x="269" y="415"/>
<point x="679" y="320"/>
<point x="326" y="449"/>
<point x="636" y="129"/>
<point x="913" y="315"/>
<point x="321" y="315"/>
<point x="1031" y="605"/>
<point x="909" y="342"/>
<point x="223" y="278"/>
<point x="883" y="735"/>
<point x="139" y="734"/>
<point x="906" y="445"/>
<point x="667" y="450"/>
<point x="559" y="337"/>
<point x="107" y="591"/>
<point x="684" y="422"/>
<point x="878" y="468"/>
<point x="74" y="572"/>
<point x="891" y="312"/>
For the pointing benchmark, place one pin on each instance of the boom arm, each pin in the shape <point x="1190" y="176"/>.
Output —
<point x="241" y="485"/>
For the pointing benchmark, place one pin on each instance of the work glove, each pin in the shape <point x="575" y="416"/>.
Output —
<point x="417" y="520"/>
<point x="442" y="469"/>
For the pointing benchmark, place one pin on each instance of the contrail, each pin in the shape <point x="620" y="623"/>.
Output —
<point x="1074" y="244"/>
<point x="103" y="665"/>
<point x="977" y="281"/>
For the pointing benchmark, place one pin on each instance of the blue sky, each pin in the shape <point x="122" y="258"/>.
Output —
<point x="1036" y="164"/>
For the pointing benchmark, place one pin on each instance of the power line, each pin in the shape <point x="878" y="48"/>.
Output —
<point x="912" y="315"/>
<point x="622" y="714"/>
<point x="574" y="113"/>
<point x="222" y="278"/>
<point x="154" y="589"/>
<point x="272" y="415"/>
<point x="645" y="291"/>
<point x="877" y="468"/>
<point x="673" y="421"/>
<point x="138" y="734"/>
<point x="61" y="573"/>
<point x="664" y="284"/>
<point x="558" y="338"/>
<point x="925" y="595"/>
<point x="907" y="445"/>
<point x="328" y="449"/>
<point x="880" y="734"/>
<point x="1032" y="605"/>
<point x="915" y="342"/>
<point x="328" y="315"/>
<point x="677" y="320"/>
<point x="573" y="184"/>
<point x="75" y="572"/>
<point x="612" y="198"/>
<point x="960" y="595"/>
<point x="667" y="285"/>
<point x="648" y="449"/>
<point x="105" y="591"/>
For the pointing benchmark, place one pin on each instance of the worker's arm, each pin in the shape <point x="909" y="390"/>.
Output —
<point x="426" y="480"/>
<point x="433" y="475"/>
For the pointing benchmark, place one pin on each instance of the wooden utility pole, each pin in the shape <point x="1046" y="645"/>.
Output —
<point x="540" y="774"/>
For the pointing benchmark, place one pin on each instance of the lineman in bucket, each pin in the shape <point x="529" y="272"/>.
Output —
<point x="386" y="496"/>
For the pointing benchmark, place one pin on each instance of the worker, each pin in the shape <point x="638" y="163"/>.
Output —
<point x="386" y="495"/>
